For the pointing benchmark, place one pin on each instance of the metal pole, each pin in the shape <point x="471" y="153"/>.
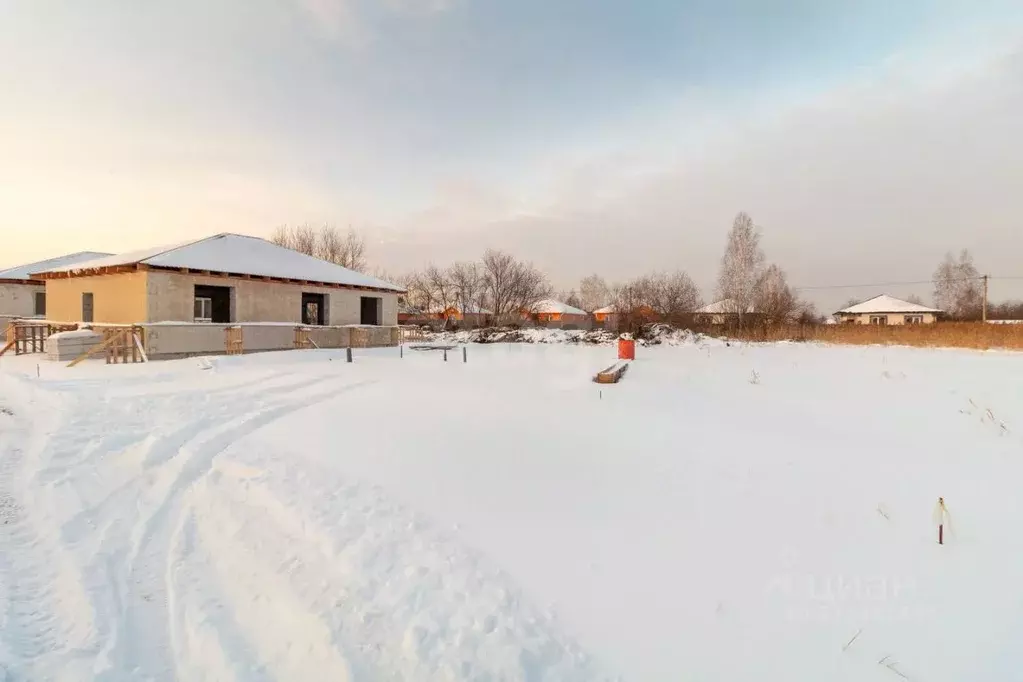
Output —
<point x="984" y="309"/>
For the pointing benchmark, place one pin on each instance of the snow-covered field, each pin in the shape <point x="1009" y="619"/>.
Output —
<point x="725" y="513"/>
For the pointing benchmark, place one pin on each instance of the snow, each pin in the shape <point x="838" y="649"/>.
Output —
<point x="723" y="513"/>
<point x="606" y="310"/>
<point x="26" y="271"/>
<point x="726" y="306"/>
<point x="238" y="254"/>
<point x="550" y="306"/>
<point x="653" y="335"/>
<point x="886" y="304"/>
<point x="73" y="334"/>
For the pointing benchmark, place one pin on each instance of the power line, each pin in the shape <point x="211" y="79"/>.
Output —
<point x="894" y="284"/>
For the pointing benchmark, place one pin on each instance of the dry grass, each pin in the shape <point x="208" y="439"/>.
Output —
<point x="940" y="335"/>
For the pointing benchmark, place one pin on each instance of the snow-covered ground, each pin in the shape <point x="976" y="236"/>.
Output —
<point x="725" y="513"/>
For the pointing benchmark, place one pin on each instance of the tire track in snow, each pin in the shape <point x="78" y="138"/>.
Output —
<point x="47" y="625"/>
<point x="142" y="638"/>
<point x="331" y="567"/>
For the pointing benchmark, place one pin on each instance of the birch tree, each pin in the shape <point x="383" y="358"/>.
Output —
<point x="957" y="288"/>
<point x="594" y="293"/>
<point x="742" y="265"/>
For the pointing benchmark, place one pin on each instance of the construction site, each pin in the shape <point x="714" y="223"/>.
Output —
<point x="228" y="293"/>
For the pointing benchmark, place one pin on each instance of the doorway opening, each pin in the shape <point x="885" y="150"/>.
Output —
<point x="314" y="309"/>
<point x="371" y="310"/>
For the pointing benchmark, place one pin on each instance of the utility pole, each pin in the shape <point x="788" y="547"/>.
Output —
<point x="983" y="313"/>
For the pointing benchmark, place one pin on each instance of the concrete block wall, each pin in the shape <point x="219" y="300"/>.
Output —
<point x="165" y="341"/>
<point x="171" y="297"/>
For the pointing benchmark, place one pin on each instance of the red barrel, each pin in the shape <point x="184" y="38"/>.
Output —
<point x="626" y="349"/>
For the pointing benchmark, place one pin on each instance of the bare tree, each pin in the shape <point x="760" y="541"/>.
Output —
<point x="806" y="313"/>
<point x="441" y="291"/>
<point x="913" y="298"/>
<point x="326" y="242"/>
<point x="304" y="239"/>
<point x="572" y="299"/>
<point x="630" y="304"/>
<point x="775" y="302"/>
<point x="468" y="284"/>
<point x="512" y="286"/>
<point x="594" y="293"/>
<point x="957" y="289"/>
<point x="353" y="251"/>
<point x="419" y="294"/>
<point x="742" y="265"/>
<point x="671" y="296"/>
<point x="1006" y="310"/>
<point x="281" y="236"/>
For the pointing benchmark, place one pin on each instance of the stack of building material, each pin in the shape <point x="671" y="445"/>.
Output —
<point x="69" y="345"/>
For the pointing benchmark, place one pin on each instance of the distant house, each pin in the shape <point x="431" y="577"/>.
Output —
<point x="609" y="317"/>
<point x="725" y="311"/>
<point x="408" y="313"/>
<point x="606" y="317"/>
<point x="22" y="295"/>
<point x="471" y="316"/>
<point x="223" y="279"/>
<point x="551" y="313"/>
<point x="885" y="309"/>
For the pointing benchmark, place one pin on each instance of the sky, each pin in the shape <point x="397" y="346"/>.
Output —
<point x="866" y="138"/>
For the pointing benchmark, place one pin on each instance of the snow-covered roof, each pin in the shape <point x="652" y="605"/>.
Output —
<point x="235" y="254"/>
<point x="549" y="306"/>
<point x="22" y="272"/>
<point x="723" y="307"/>
<point x="886" y="304"/>
<point x="606" y="310"/>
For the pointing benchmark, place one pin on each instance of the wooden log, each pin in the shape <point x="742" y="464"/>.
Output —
<point x="613" y="374"/>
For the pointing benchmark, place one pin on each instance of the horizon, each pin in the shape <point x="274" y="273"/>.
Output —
<point x="865" y="140"/>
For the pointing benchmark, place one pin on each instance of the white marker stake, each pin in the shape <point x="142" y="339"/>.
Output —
<point x="941" y="519"/>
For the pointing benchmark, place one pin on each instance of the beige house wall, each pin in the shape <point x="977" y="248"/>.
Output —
<point x="172" y="298"/>
<point x="893" y="318"/>
<point x="19" y="300"/>
<point x="117" y="298"/>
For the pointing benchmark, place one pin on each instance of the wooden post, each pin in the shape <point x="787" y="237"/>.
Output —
<point x="349" y="353"/>
<point x="465" y="355"/>
<point x="445" y="355"/>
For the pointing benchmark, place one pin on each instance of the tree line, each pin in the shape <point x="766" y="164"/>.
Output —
<point x="750" y="287"/>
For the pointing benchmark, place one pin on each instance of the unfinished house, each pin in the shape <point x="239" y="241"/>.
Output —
<point x="222" y="281"/>
<point x="22" y="296"/>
